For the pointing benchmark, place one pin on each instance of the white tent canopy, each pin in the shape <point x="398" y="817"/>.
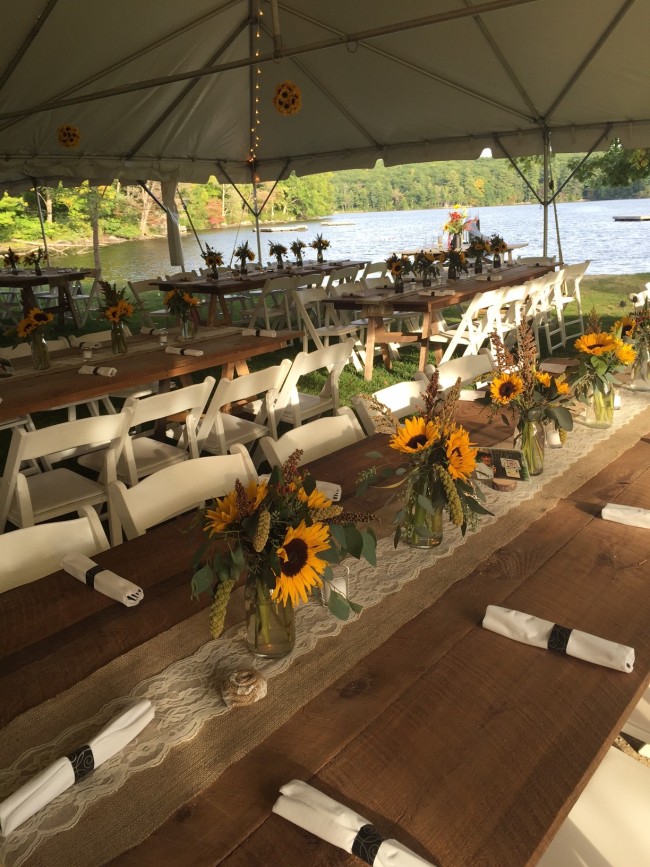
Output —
<point x="163" y="90"/>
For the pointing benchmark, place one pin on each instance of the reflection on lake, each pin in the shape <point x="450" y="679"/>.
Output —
<point x="587" y="231"/>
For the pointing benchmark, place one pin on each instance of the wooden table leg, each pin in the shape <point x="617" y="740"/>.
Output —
<point x="225" y="310"/>
<point x="370" y="347"/>
<point x="427" y="322"/>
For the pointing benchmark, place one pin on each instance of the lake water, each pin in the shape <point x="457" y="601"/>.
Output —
<point x="587" y="230"/>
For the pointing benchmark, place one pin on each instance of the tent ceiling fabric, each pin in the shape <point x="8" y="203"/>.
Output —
<point x="444" y="90"/>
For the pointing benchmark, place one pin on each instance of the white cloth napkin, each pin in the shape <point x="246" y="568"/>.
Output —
<point x="64" y="772"/>
<point x="489" y="278"/>
<point x="86" y="344"/>
<point x="259" y="332"/>
<point x="543" y="633"/>
<point x="630" y="515"/>
<point x="84" y="569"/>
<point x="153" y="331"/>
<point x="97" y="371"/>
<point x="319" y="814"/>
<point x="181" y="350"/>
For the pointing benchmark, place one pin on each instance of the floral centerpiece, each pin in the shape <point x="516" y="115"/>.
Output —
<point x="277" y="250"/>
<point x="213" y="259"/>
<point x="11" y="260"/>
<point x="320" y="244"/>
<point x="117" y="310"/>
<point x="398" y="267"/>
<point x="634" y="329"/>
<point x="457" y="223"/>
<point x="533" y="396"/>
<point x="34" y="258"/>
<point x="182" y="304"/>
<point x="478" y="248"/>
<point x="244" y="255"/>
<point x="602" y="355"/>
<point x="439" y="460"/>
<point x="425" y="265"/>
<point x="498" y="247"/>
<point x="32" y="329"/>
<point x="283" y="535"/>
<point x="457" y="261"/>
<point x="296" y="248"/>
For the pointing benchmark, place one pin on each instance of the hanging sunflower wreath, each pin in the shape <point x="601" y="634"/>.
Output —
<point x="68" y="135"/>
<point x="287" y="98"/>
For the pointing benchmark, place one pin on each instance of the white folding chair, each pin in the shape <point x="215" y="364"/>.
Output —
<point x="293" y="406"/>
<point x="303" y="301"/>
<point x="608" y="825"/>
<point x="272" y="309"/>
<point x="539" y="304"/>
<point x="640" y="298"/>
<point x="469" y="369"/>
<point x="317" y="438"/>
<point x="177" y="489"/>
<point x="28" y="500"/>
<point x="477" y="323"/>
<point x="565" y="292"/>
<point x="219" y="430"/>
<point x="402" y="399"/>
<point x="143" y="454"/>
<point x="139" y="289"/>
<point x="34" y="552"/>
<point x="638" y="723"/>
<point x="535" y="260"/>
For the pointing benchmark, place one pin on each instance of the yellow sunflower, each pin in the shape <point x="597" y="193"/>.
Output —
<point x="396" y="268"/>
<point x="543" y="378"/>
<point x="168" y="297"/>
<point x="226" y="511"/>
<point x="416" y="436"/>
<point x="40" y="317"/>
<point x="112" y="314"/>
<point x="125" y="308"/>
<point x="562" y="386"/>
<point x="595" y="344"/>
<point x="25" y="327"/>
<point x="505" y="388"/>
<point x="625" y="326"/>
<point x="625" y="353"/>
<point x="301" y="568"/>
<point x="190" y="299"/>
<point x="315" y="500"/>
<point x="460" y="454"/>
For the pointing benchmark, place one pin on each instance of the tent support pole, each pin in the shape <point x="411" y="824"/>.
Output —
<point x="545" y="203"/>
<point x="190" y="221"/>
<point x="41" y="221"/>
<point x="170" y="217"/>
<point x="517" y="169"/>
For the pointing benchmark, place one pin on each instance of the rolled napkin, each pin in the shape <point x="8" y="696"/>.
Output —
<point x="243" y="687"/>
<point x="154" y="332"/>
<point x="562" y="639"/>
<point x="85" y="344"/>
<point x="181" y="350"/>
<point x="97" y="371"/>
<point x="630" y="515"/>
<point x="258" y="332"/>
<point x="66" y="771"/>
<point x="324" y="817"/>
<point x="489" y="278"/>
<point x="97" y="578"/>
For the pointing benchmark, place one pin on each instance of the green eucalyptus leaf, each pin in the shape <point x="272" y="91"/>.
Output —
<point x="374" y="455"/>
<point x="354" y="541"/>
<point x="202" y="581"/>
<point x="369" y="550"/>
<point x="338" y="605"/>
<point x="337" y="532"/>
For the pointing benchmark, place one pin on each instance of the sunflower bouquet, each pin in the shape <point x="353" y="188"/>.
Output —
<point x="278" y="250"/>
<point x="180" y="301"/>
<point x="296" y="248"/>
<point x="213" y="259"/>
<point x="425" y="265"/>
<point x="32" y="329"/>
<point x="11" y="260"/>
<point x="320" y="244"/>
<point x="117" y="310"/>
<point x="398" y="267"/>
<point x="533" y="396"/>
<point x="439" y="460"/>
<point x="457" y="264"/>
<point x="244" y="254"/>
<point x="283" y="535"/>
<point x="498" y="247"/>
<point x="634" y="330"/>
<point x="602" y="355"/>
<point x="34" y="258"/>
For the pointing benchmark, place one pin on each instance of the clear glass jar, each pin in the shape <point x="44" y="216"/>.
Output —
<point x="531" y="438"/>
<point x="422" y="526"/>
<point x="39" y="350"/>
<point x="270" y="627"/>
<point x="600" y="411"/>
<point x="118" y="338"/>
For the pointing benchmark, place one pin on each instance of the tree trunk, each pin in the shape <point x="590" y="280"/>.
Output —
<point x="48" y="206"/>
<point x="144" y="214"/>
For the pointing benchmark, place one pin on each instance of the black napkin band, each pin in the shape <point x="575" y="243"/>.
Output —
<point x="96" y="371"/>
<point x="82" y="761"/>
<point x="366" y="844"/>
<point x="559" y="638"/>
<point x="90" y="575"/>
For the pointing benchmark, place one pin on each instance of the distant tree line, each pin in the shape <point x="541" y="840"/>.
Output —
<point x="126" y="211"/>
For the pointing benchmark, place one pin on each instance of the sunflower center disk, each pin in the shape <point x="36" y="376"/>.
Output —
<point x="419" y="440"/>
<point x="296" y="552"/>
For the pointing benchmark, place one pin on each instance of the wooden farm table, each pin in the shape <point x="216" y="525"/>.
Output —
<point x="469" y="748"/>
<point x="61" y="385"/>
<point x="218" y="289"/>
<point x="58" y="278"/>
<point x="376" y="305"/>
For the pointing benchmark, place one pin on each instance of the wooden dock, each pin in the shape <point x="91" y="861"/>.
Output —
<point x="633" y="219"/>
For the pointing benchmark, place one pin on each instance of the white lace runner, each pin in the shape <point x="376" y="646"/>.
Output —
<point x="184" y="694"/>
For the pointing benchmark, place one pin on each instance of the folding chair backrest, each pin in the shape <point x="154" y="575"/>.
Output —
<point x="637" y="298"/>
<point x="181" y="275"/>
<point x="267" y="382"/>
<point x="342" y="275"/>
<point x="402" y="399"/>
<point x="272" y="299"/>
<point x="316" y="438"/>
<point x="34" y="552"/>
<point x="374" y="269"/>
<point x="468" y="368"/>
<point x="178" y="488"/>
<point x="536" y="260"/>
<point x="573" y="274"/>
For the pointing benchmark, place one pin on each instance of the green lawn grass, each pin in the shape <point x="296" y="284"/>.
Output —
<point x="607" y="295"/>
